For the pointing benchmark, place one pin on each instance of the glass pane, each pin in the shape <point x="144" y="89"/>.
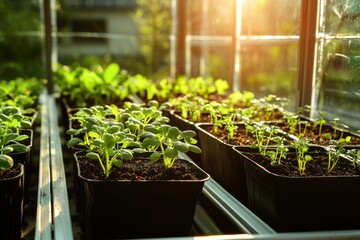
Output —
<point x="341" y="17"/>
<point x="217" y="63"/>
<point x="269" y="69"/>
<point x="270" y="17"/>
<point x="21" y="40"/>
<point x="134" y="34"/>
<point x="211" y="17"/>
<point x="340" y="81"/>
<point x="338" y="63"/>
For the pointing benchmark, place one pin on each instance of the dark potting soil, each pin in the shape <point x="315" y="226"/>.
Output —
<point x="241" y="136"/>
<point x="138" y="169"/>
<point x="315" y="167"/>
<point x="10" y="173"/>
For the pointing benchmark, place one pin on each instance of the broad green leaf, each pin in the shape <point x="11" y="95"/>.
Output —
<point x="4" y="118"/>
<point x="6" y="149"/>
<point x="117" y="162"/>
<point x="93" y="156"/>
<point x="138" y="150"/>
<point x="194" y="149"/>
<point x="150" y="142"/>
<point x="153" y="103"/>
<point x="11" y="136"/>
<point x="109" y="140"/>
<point x="6" y="162"/>
<point x="74" y="141"/>
<point x="17" y="147"/>
<point x="21" y="137"/>
<point x="110" y="72"/>
<point x="114" y="129"/>
<point x="93" y="134"/>
<point x="182" y="147"/>
<point x="98" y="142"/>
<point x="155" y="156"/>
<point x="147" y="135"/>
<point x="171" y="153"/>
<point x="151" y="128"/>
<point x="126" y="154"/>
<point x="25" y="124"/>
<point x="188" y="134"/>
<point x="173" y="133"/>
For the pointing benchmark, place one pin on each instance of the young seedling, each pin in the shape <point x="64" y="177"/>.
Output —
<point x="320" y="121"/>
<point x="279" y="153"/>
<point x="301" y="146"/>
<point x="167" y="142"/>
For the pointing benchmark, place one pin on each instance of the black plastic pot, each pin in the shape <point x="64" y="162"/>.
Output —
<point x="25" y="159"/>
<point x="297" y="204"/>
<point x="11" y="206"/>
<point x="139" y="209"/>
<point x="222" y="163"/>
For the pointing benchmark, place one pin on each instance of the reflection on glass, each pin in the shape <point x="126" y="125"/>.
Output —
<point x="338" y="54"/>
<point x="270" y="17"/>
<point x="270" y="69"/>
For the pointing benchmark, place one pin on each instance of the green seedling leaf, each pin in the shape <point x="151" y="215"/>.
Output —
<point x="126" y="154"/>
<point x="74" y="141"/>
<point x="17" y="147"/>
<point x="21" y="137"/>
<point x="109" y="140"/>
<point x="93" y="156"/>
<point x="182" y="147"/>
<point x="147" y="135"/>
<point x="194" y="149"/>
<point x="25" y="124"/>
<point x="6" y="150"/>
<point x="138" y="150"/>
<point x="150" y="142"/>
<point x="151" y="128"/>
<point x="4" y="118"/>
<point x="98" y="142"/>
<point x="6" y="162"/>
<point x="110" y="72"/>
<point x="155" y="156"/>
<point x="117" y="162"/>
<point x="114" y="129"/>
<point x="188" y="134"/>
<point x="11" y="136"/>
<point x="171" y="153"/>
<point x="173" y="133"/>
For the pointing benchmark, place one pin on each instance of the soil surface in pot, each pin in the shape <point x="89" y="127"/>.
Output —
<point x="313" y="131"/>
<point x="316" y="167"/>
<point x="138" y="169"/>
<point x="241" y="136"/>
<point x="12" y="172"/>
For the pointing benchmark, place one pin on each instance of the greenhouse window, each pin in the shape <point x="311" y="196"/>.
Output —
<point x="337" y="81"/>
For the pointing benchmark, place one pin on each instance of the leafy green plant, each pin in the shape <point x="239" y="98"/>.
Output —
<point x="115" y="135"/>
<point x="12" y="118"/>
<point x="301" y="146"/>
<point x="167" y="141"/>
<point x="279" y="153"/>
<point x="263" y="135"/>
<point x="320" y="121"/>
<point x="354" y="155"/>
<point x="10" y="141"/>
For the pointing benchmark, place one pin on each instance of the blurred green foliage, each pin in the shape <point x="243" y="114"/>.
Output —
<point x="20" y="40"/>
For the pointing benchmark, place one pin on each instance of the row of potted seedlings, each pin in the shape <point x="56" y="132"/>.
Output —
<point x="235" y="131"/>
<point x="17" y="119"/>
<point x="272" y="165"/>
